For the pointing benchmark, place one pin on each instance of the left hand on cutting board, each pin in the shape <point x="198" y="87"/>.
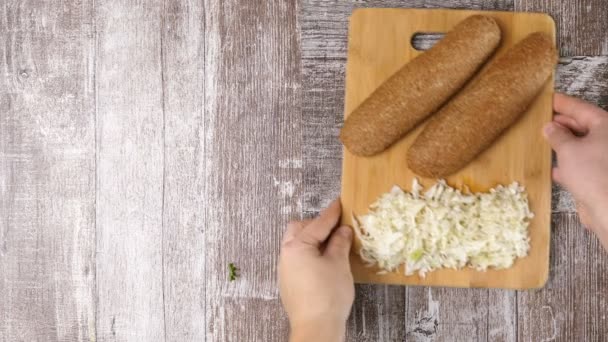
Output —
<point x="315" y="280"/>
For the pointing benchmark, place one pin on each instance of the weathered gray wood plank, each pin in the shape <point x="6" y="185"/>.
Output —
<point x="252" y="162"/>
<point x="589" y="282"/>
<point x="202" y="154"/>
<point x="322" y="106"/>
<point x="47" y="172"/>
<point x="325" y="22"/>
<point x="581" y="24"/>
<point x="183" y="232"/>
<point x="447" y="314"/>
<point x="572" y="307"/>
<point x="378" y="320"/>
<point x="129" y="171"/>
<point x="502" y="315"/>
<point x="444" y="314"/>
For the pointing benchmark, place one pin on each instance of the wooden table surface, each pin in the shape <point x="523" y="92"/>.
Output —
<point x="144" y="145"/>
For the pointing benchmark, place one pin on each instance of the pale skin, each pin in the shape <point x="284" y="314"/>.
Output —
<point x="315" y="280"/>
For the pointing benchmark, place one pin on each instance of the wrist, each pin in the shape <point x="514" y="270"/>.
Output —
<point x="322" y="330"/>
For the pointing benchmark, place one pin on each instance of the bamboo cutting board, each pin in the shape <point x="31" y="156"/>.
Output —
<point x="379" y="43"/>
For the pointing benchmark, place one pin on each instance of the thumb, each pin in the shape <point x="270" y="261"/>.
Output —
<point x="557" y="135"/>
<point x="339" y="243"/>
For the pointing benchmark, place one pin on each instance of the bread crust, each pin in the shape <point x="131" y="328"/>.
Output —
<point x="481" y="112"/>
<point x="420" y="87"/>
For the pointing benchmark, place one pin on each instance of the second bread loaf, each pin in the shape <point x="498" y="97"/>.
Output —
<point x="492" y="102"/>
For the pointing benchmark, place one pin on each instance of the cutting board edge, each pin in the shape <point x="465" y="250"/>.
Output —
<point x="539" y="282"/>
<point x="360" y="11"/>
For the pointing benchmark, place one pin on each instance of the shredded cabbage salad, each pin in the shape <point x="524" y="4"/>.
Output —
<point x="445" y="228"/>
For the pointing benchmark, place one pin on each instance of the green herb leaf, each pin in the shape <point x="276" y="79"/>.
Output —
<point x="233" y="272"/>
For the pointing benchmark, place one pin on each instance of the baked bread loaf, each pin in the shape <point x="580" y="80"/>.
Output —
<point x="488" y="105"/>
<point x="420" y="87"/>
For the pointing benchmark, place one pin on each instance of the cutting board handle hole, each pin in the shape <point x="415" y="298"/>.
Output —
<point x="422" y="41"/>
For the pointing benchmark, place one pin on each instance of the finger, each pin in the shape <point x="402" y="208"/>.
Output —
<point x="557" y="135"/>
<point x="571" y="124"/>
<point x="555" y="174"/>
<point x="294" y="228"/>
<point x="320" y="228"/>
<point x="586" y="114"/>
<point x="339" y="243"/>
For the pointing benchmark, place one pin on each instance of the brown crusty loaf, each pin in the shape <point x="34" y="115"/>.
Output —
<point x="492" y="102"/>
<point x="420" y="87"/>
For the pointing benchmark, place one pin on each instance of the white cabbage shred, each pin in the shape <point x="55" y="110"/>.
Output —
<point x="445" y="228"/>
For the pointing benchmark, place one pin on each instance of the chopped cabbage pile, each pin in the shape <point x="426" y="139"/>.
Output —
<point x="445" y="228"/>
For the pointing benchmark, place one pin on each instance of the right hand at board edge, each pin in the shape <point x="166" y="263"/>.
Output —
<point x="579" y="136"/>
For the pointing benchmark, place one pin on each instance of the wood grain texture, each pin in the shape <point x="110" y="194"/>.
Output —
<point x="82" y="91"/>
<point x="378" y="314"/>
<point x="252" y="162"/>
<point x="572" y="307"/>
<point x="464" y="316"/>
<point x="444" y="314"/>
<point x="325" y="22"/>
<point x="509" y="159"/>
<point x="47" y="172"/>
<point x="183" y="237"/>
<point x="581" y="24"/>
<point x="130" y="174"/>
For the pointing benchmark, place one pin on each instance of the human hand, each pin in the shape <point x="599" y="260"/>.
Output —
<point x="579" y="136"/>
<point x="315" y="280"/>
